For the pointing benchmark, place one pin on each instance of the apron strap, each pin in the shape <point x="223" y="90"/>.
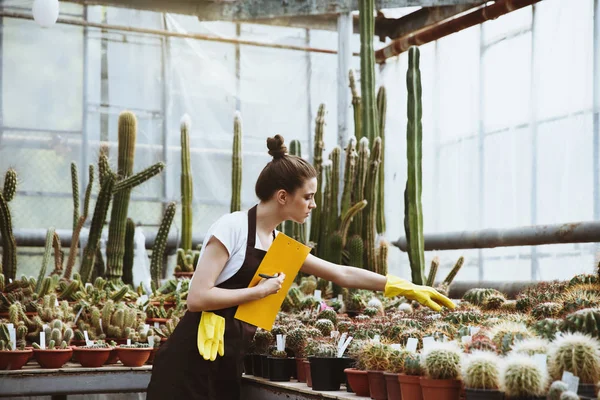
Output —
<point x="252" y="226"/>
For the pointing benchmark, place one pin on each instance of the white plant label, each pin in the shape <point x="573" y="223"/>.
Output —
<point x="411" y="344"/>
<point x="465" y="339"/>
<point x="156" y="325"/>
<point x="12" y="335"/>
<point x="128" y="342"/>
<point x="88" y="342"/>
<point x="427" y="342"/>
<point x="42" y="340"/>
<point x="377" y="339"/>
<point x="178" y="288"/>
<point x="318" y="294"/>
<point x="151" y="341"/>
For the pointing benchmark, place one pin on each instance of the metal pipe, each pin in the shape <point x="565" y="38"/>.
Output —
<point x="509" y="288"/>
<point x="164" y="33"/>
<point x="464" y="21"/>
<point x="37" y="238"/>
<point x="576" y="232"/>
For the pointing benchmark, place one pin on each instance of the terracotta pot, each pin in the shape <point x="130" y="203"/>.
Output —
<point x="183" y="274"/>
<point x="441" y="389"/>
<point x="410" y="387"/>
<point x="167" y="304"/>
<point x="151" y="321"/>
<point x="300" y="370"/>
<point x="377" y="387"/>
<point x="91" y="358"/>
<point x="14" y="359"/>
<point x="55" y="358"/>
<point x="307" y="373"/>
<point x="113" y="358"/>
<point x="393" y="386"/>
<point x="359" y="381"/>
<point x="133" y="357"/>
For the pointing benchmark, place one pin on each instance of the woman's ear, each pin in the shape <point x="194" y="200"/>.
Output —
<point x="281" y="196"/>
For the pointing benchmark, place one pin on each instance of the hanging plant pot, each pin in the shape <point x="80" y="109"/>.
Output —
<point x="248" y="364"/>
<point x="14" y="359"/>
<point x="483" y="394"/>
<point x="410" y="387"/>
<point x="91" y="358"/>
<point x="359" y="381"/>
<point x="324" y="373"/>
<point x="441" y="389"/>
<point x="257" y="365"/>
<point x="377" y="387"/>
<point x="392" y="385"/>
<point x="278" y="369"/>
<point x="54" y="358"/>
<point x="133" y="357"/>
<point x="300" y="373"/>
<point x="307" y="373"/>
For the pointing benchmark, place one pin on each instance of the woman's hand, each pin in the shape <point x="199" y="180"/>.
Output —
<point x="272" y="285"/>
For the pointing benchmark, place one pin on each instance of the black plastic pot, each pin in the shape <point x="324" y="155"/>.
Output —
<point x="483" y="394"/>
<point x="248" y="365"/>
<point x="265" y="366"/>
<point x="586" y="390"/>
<point x="279" y="370"/>
<point x="292" y="367"/>
<point x="343" y="363"/>
<point x="257" y="365"/>
<point x="324" y="373"/>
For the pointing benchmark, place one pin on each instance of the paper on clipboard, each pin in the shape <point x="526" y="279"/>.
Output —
<point x="285" y="255"/>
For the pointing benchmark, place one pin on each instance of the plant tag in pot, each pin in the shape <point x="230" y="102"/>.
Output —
<point x="318" y="294"/>
<point x="427" y="342"/>
<point x="12" y="334"/>
<point x="411" y="344"/>
<point x="43" y="340"/>
<point x="88" y="342"/>
<point x="151" y="341"/>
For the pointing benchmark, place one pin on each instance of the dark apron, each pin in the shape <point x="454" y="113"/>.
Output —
<point x="180" y="372"/>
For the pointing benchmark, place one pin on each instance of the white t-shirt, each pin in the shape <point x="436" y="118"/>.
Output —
<point x="232" y="231"/>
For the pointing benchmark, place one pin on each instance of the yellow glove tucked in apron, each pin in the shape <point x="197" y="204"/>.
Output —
<point x="210" y="335"/>
<point x="425" y="295"/>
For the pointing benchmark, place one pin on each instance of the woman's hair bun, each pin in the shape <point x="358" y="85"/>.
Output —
<point x="276" y="147"/>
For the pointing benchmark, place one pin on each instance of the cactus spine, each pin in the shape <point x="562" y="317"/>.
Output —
<point x="381" y="112"/>
<point x="160" y="244"/>
<point x="9" y="245"/>
<point x="413" y="211"/>
<point x="187" y="189"/>
<point x="371" y="209"/>
<point x="315" y="221"/>
<point x="236" y="167"/>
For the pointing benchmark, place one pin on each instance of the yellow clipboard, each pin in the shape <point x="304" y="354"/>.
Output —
<point x="285" y="255"/>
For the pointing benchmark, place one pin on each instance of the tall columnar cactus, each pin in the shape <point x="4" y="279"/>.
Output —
<point x="356" y="251"/>
<point x="325" y="218"/>
<point x="98" y="220"/>
<point x="47" y="252"/>
<point x="435" y="263"/>
<point x="381" y="113"/>
<point x="80" y="221"/>
<point x="75" y="187"/>
<point x="382" y="258"/>
<point x="115" y="248"/>
<point x="413" y="209"/>
<point x="315" y="221"/>
<point x="9" y="245"/>
<point x="356" y="106"/>
<point x="129" y="252"/>
<point x="160" y="245"/>
<point x="333" y="211"/>
<point x="349" y="174"/>
<point x="236" y="167"/>
<point x="358" y="192"/>
<point x="187" y="188"/>
<point x="371" y="210"/>
<point x="367" y="69"/>
<point x="294" y="229"/>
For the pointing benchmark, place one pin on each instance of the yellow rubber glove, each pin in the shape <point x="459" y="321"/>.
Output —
<point x="425" y="295"/>
<point x="210" y="335"/>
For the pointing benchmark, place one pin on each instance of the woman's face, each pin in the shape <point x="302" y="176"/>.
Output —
<point x="302" y="201"/>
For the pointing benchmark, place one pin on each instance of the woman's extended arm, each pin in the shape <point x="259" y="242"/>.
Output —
<point x="348" y="277"/>
<point x="204" y="295"/>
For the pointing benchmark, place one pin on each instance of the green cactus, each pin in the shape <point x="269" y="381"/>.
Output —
<point x="315" y="222"/>
<point x="98" y="219"/>
<point x="356" y="105"/>
<point x="356" y="251"/>
<point x="160" y="244"/>
<point x="10" y="185"/>
<point x="547" y="328"/>
<point x="413" y="209"/>
<point x="556" y="390"/>
<point x="9" y="245"/>
<point x="47" y="251"/>
<point x="333" y="211"/>
<point x="522" y="378"/>
<point x="584" y="321"/>
<point x="325" y="326"/>
<point x="358" y="192"/>
<point x="45" y="287"/>
<point x="369" y="229"/>
<point x="382" y="258"/>
<point x="236" y="168"/>
<point x="578" y="354"/>
<point x="139" y="178"/>
<point x="129" y="252"/>
<point x="187" y="187"/>
<point x="367" y="70"/>
<point x="435" y="263"/>
<point x="381" y="113"/>
<point x="442" y="363"/>
<point x="349" y="174"/>
<point x="80" y="221"/>
<point x="478" y="296"/>
<point x="546" y="310"/>
<point x="531" y="346"/>
<point x="75" y="190"/>
<point x="452" y="274"/>
<point x="481" y="371"/>
<point x="328" y="314"/>
<point x="374" y="357"/>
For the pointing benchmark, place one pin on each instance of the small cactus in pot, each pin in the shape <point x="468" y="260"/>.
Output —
<point x="442" y="365"/>
<point x="522" y="377"/>
<point x="481" y="375"/>
<point x="557" y="389"/>
<point x="576" y="353"/>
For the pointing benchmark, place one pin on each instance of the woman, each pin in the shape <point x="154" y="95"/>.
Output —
<point x="203" y="357"/>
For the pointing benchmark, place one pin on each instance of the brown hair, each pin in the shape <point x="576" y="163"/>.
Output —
<point x="283" y="172"/>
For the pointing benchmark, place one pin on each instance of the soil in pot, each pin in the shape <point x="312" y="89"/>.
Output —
<point x="359" y="381"/>
<point x="392" y="385"/>
<point x="55" y="358"/>
<point x="441" y="389"/>
<point x="91" y="358"/>
<point x="133" y="357"/>
<point x="14" y="359"/>
<point x="279" y="370"/>
<point x="483" y="394"/>
<point x="324" y="374"/>
<point x="377" y="386"/>
<point x="410" y="387"/>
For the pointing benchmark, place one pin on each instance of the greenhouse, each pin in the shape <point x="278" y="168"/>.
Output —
<point x="335" y="199"/>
